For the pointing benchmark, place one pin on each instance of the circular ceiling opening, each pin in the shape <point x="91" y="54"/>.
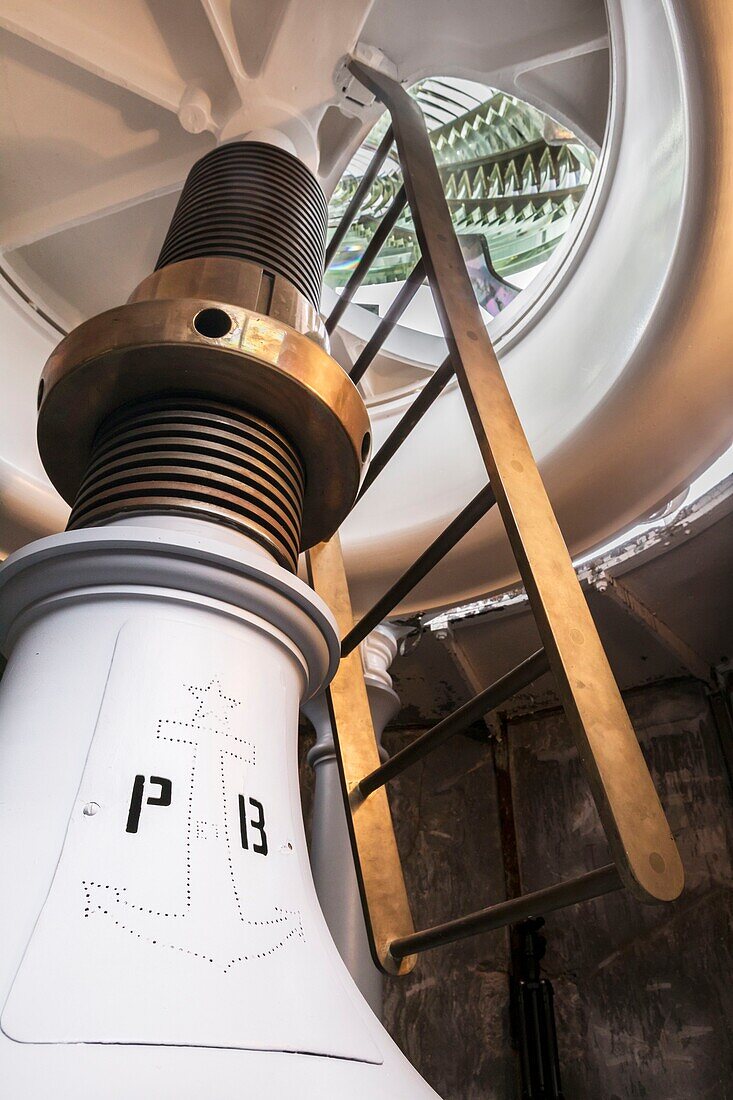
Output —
<point x="513" y="178"/>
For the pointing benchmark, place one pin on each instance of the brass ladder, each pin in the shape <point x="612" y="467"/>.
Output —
<point x="646" y="860"/>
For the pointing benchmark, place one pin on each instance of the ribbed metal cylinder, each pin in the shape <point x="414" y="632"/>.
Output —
<point x="198" y="458"/>
<point x="255" y="202"/>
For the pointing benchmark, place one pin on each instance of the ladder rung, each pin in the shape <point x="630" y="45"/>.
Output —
<point x="432" y="389"/>
<point x="486" y="700"/>
<point x="383" y="230"/>
<point x="359" y="195"/>
<point x="583" y="888"/>
<point x="445" y="541"/>
<point x="407" y="292"/>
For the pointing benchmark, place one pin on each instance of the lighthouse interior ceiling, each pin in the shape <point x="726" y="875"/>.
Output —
<point x="561" y="150"/>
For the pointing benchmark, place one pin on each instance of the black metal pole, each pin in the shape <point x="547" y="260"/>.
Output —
<point x="383" y="230"/>
<point x="445" y="541"/>
<point x="534" y="1034"/>
<point x="412" y="417"/>
<point x="486" y="700"/>
<point x="583" y="888"/>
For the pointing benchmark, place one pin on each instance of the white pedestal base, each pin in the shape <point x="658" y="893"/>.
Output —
<point x="161" y="934"/>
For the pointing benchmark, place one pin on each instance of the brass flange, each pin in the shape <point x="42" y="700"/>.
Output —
<point x="226" y="279"/>
<point x="159" y="346"/>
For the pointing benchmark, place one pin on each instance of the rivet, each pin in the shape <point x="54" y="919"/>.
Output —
<point x="90" y="809"/>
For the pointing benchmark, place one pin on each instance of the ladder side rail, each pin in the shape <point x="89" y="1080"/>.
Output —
<point x="632" y="816"/>
<point x="377" y="861"/>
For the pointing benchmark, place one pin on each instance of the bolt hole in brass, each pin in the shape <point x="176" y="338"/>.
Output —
<point x="212" y="323"/>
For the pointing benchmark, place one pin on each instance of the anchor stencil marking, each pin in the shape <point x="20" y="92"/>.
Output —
<point x="188" y="926"/>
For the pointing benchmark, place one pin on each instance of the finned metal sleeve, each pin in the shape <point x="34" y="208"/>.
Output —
<point x="255" y="202"/>
<point x="201" y="458"/>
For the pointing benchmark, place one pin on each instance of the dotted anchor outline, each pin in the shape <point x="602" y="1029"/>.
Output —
<point x="118" y="892"/>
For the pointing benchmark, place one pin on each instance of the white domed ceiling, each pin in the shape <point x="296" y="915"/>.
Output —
<point x="107" y="105"/>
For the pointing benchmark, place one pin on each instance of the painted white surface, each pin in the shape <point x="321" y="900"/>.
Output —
<point x="162" y="944"/>
<point x="204" y="942"/>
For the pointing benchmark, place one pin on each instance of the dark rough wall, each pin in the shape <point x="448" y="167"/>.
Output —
<point x="644" y="996"/>
<point x="449" y="1016"/>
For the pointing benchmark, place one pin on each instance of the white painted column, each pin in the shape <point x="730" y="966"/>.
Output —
<point x="160" y="933"/>
<point x="332" y="861"/>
